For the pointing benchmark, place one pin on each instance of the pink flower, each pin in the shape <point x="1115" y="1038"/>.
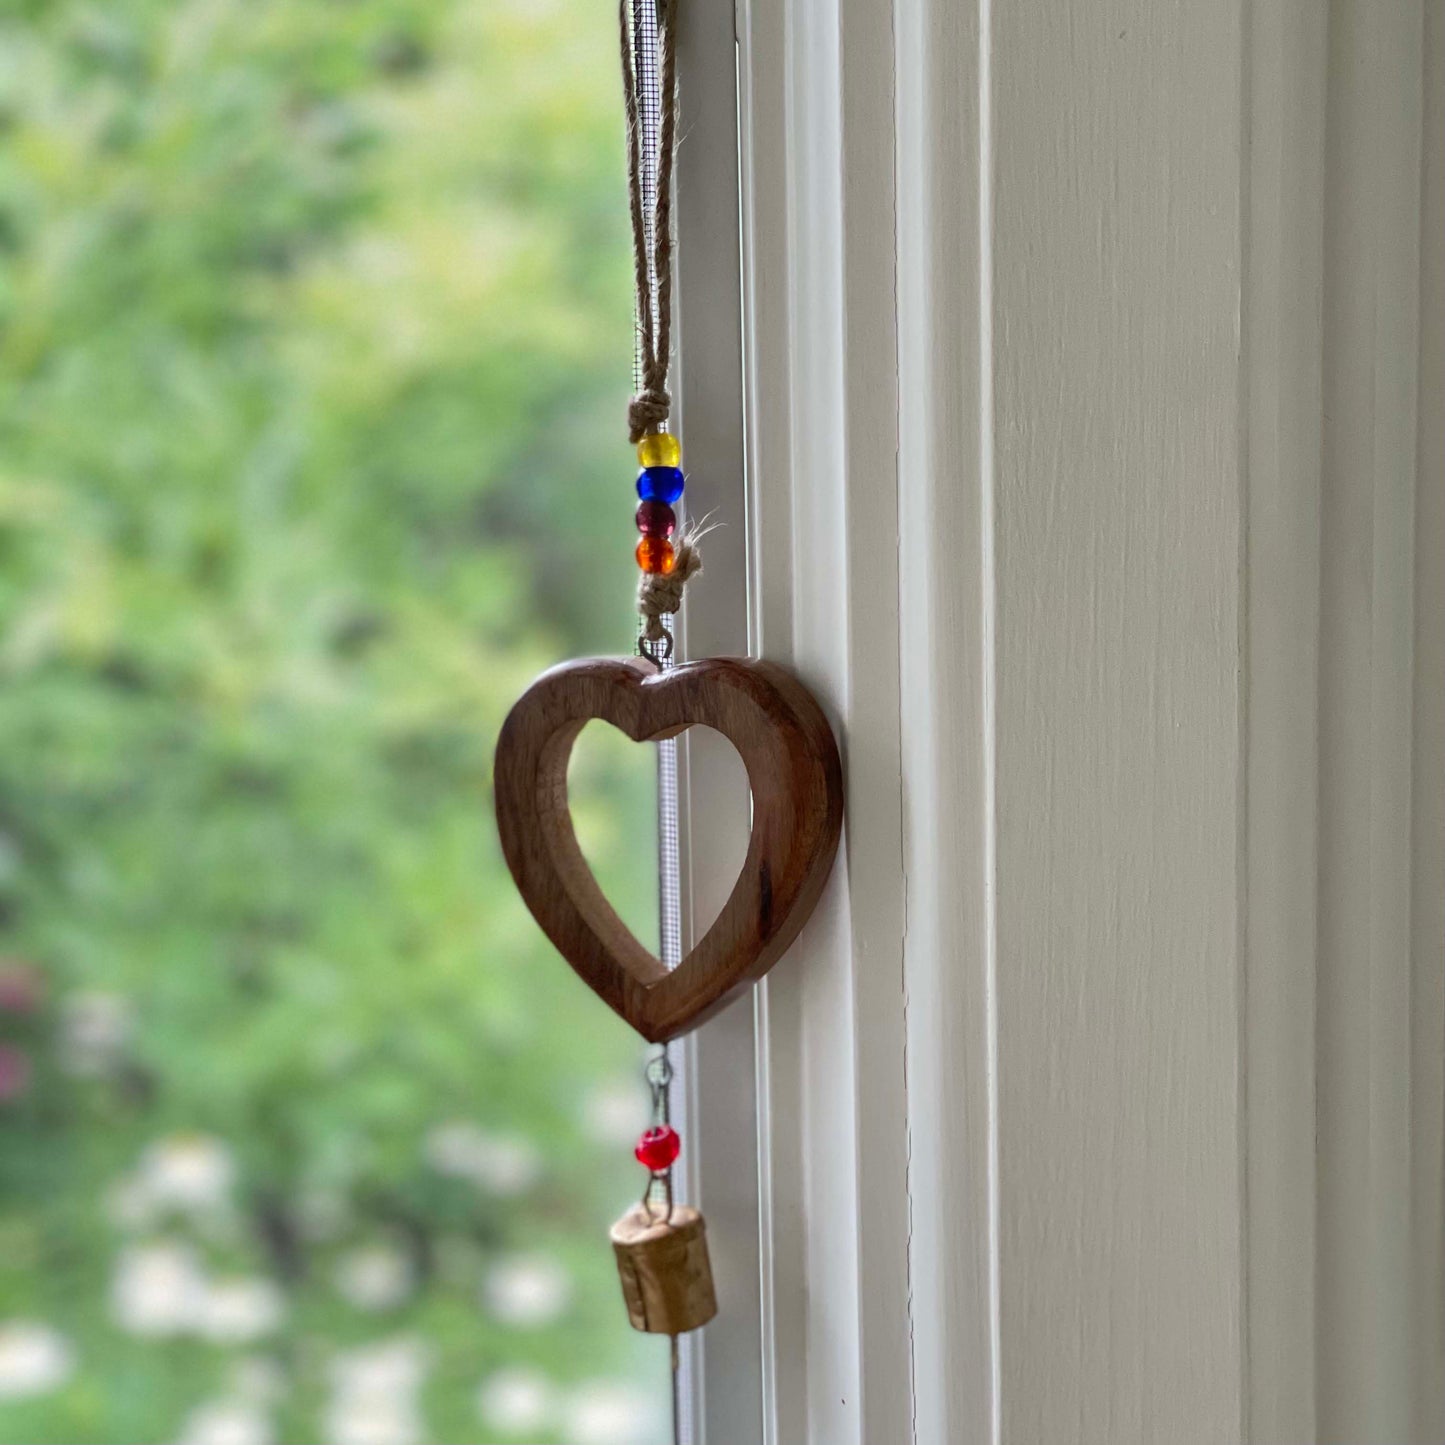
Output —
<point x="20" y="987"/>
<point x="14" y="1073"/>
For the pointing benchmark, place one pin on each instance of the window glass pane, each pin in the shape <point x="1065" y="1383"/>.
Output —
<point x="314" y="349"/>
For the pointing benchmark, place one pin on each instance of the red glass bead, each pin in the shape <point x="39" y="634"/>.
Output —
<point x="656" y="519"/>
<point x="658" y="1148"/>
<point x="655" y="555"/>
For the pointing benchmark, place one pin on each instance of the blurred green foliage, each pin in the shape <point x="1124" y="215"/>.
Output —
<point x="314" y="347"/>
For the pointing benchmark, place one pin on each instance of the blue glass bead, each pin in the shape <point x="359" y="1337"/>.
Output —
<point x="660" y="484"/>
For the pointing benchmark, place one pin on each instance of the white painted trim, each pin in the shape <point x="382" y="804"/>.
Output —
<point x="1370" y="350"/>
<point x="945" y="467"/>
<point x="819" y="257"/>
<point x="1081" y="349"/>
<point x="722" y="1366"/>
<point x="1284" y="261"/>
<point x="853" y="178"/>
<point x="1118" y="489"/>
<point x="1427" y="893"/>
<point x="1345" y="943"/>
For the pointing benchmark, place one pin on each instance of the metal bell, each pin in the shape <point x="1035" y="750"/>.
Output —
<point x="666" y="1275"/>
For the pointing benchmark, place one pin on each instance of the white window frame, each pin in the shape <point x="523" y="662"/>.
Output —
<point x="721" y="1377"/>
<point x="1219" y="1115"/>
<point x="795" y="1109"/>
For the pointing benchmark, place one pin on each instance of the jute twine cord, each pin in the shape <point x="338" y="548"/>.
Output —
<point x="651" y="406"/>
<point x="658" y="594"/>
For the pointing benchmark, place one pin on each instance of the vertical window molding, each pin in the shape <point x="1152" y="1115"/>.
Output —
<point x="1427" y="894"/>
<point x="722" y="1366"/>
<point x="1094" y="439"/>
<point x="946" y="542"/>
<point x="819" y="286"/>
<point x="1345" y="940"/>
<point x="1283" y="281"/>
<point x="865" y="307"/>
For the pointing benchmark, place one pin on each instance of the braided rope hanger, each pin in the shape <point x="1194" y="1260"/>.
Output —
<point x="659" y="594"/>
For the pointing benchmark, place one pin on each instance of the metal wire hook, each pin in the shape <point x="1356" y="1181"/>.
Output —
<point x="657" y="653"/>
<point x="664" y="1179"/>
<point x="659" y="1078"/>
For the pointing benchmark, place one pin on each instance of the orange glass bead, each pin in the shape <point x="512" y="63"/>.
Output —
<point x="659" y="449"/>
<point x="655" y="554"/>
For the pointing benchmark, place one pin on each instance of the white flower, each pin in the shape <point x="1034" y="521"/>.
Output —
<point x="226" y="1422"/>
<point x="527" y="1290"/>
<point x="516" y="1401"/>
<point x="157" y="1289"/>
<point x="615" y="1113"/>
<point x="381" y="1371"/>
<point x="94" y="1028"/>
<point x="34" y="1359"/>
<point x="453" y="1148"/>
<point x="362" y="1422"/>
<point x="237" y="1311"/>
<point x="374" y="1393"/>
<point x="190" y="1174"/>
<point x="377" y="1277"/>
<point x="187" y="1172"/>
<point x="608" y="1414"/>
<point x="510" y="1166"/>
<point x="501" y="1164"/>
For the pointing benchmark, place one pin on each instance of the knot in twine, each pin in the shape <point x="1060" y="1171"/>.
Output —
<point x="660" y="593"/>
<point x="647" y="412"/>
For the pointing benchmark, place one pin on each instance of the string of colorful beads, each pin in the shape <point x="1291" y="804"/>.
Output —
<point x="659" y="485"/>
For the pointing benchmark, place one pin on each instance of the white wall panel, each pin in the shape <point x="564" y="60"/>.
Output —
<point x="1284" y="251"/>
<point x="1427" y="797"/>
<point x="1094" y="397"/>
<point x="1118" y="491"/>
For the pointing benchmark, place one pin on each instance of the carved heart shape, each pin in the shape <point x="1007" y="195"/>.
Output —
<point x="797" y="786"/>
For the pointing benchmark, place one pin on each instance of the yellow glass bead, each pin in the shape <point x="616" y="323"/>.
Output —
<point x="655" y="554"/>
<point x="659" y="449"/>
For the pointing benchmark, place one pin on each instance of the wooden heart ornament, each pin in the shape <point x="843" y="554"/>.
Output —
<point x="797" y="786"/>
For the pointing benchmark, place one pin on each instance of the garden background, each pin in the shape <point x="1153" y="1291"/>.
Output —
<point x="314" y="350"/>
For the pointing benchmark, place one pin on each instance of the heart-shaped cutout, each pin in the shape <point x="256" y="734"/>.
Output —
<point x="793" y="769"/>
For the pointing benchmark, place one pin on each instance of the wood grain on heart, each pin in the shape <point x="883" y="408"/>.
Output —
<point x="797" y="787"/>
